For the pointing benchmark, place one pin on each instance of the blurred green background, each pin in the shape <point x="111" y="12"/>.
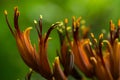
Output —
<point x="96" y="13"/>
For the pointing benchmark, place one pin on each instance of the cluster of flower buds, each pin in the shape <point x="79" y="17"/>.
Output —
<point x="79" y="53"/>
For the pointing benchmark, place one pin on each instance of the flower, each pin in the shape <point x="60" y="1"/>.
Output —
<point x="76" y="47"/>
<point x="106" y="62"/>
<point x="37" y="60"/>
<point x="98" y="59"/>
<point x="95" y="58"/>
<point x="66" y="55"/>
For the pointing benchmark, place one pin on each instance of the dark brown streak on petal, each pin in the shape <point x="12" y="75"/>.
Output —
<point x="101" y="57"/>
<point x="16" y="15"/>
<point x="69" y="63"/>
<point x="112" y="32"/>
<point x="110" y="50"/>
<point x="89" y="50"/>
<point x="75" y="32"/>
<point x="75" y="26"/>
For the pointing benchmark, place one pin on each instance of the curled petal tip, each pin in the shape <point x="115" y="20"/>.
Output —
<point x="93" y="59"/>
<point x="28" y="29"/>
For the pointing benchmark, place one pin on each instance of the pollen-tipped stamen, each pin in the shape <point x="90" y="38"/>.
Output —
<point x="75" y="28"/>
<point x="40" y="25"/>
<point x="66" y="31"/>
<point x="112" y="32"/>
<point x="11" y="30"/>
<point x="36" y="26"/>
<point x="100" y="53"/>
<point x="94" y="41"/>
<point x="117" y="31"/>
<point x="78" y="21"/>
<point x="50" y="29"/>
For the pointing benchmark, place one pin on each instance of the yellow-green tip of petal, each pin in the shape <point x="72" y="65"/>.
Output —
<point x="35" y="22"/>
<point x="41" y="17"/>
<point x="28" y="29"/>
<point x="5" y="12"/>
<point x="57" y="60"/>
